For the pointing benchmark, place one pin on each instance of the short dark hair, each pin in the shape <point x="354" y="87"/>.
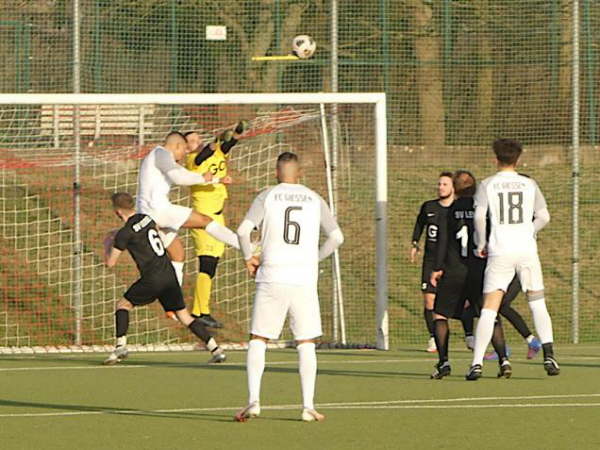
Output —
<point x="122" y="200"/>
<point x="286" y="157"/>
<point x="445" y="174"/>
<point x="507" y="151"/>
<point x="464" y="183"/>
<point x="174" y="133"/>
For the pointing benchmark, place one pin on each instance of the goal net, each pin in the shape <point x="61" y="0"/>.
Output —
<point x="61" y="156"/>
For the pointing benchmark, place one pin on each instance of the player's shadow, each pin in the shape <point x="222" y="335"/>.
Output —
<point x="92" y="410"/>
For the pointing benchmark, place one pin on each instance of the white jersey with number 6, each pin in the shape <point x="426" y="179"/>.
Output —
<point x="290" y="217"/>
<point x="512" y="201"/>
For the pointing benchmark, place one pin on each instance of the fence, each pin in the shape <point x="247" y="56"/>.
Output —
<point x="456" y="73"/>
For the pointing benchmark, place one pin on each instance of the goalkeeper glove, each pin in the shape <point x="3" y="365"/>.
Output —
<point x="241" y="127"/>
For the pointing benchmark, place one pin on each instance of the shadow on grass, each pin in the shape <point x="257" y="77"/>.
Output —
<point x="61" y="407"/>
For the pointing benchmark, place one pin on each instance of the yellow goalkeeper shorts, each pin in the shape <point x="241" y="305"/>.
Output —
<point x="205" y="244"/>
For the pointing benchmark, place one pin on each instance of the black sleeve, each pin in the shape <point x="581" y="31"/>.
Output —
<point x="227" y="146"/>
<point x="204" y="154"/>
<point x="419" y="224"/>
<point x="121" y="239"/>
<point x="441" y="247"/>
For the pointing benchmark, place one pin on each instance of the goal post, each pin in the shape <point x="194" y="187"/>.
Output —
<point x="39" y="124"/>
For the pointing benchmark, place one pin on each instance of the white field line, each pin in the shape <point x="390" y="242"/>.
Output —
<point x="393" y="404"/>
<point x="204" y="364"/>
<point x="193" y="364"/>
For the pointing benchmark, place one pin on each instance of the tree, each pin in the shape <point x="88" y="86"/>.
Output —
<point x="429" y="74"/>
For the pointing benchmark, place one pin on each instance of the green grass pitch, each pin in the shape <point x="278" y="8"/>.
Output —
<point x="372" y="399"/>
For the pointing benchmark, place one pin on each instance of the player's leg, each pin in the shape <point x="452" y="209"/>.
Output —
<point x="498" y="274"/>
<point x="268" y="317"/>
<point x="428" y="302"/>
<point x="121" y="327"/>
<point x="517" y="321"/>
<point x="199" y="329"/>
<point x="255" y="367"/>
<point x="428" y="291"/>
<point x="485" y="328"/>
<point x="209" y="250"/>
<point x="176" y="253"/>
<point x="499" y="344"/>
<point x="305" y="322"/>
<point x="467" y="319"/>
<point x="142" y="292"/>
<point x="543" y="326"/>
<point x="530" y="275"/>
<point x="216" y="230"/>
<point x="442" y="337"/>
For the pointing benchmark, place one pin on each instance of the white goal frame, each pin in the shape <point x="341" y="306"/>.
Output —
<point x="377" y="100"/>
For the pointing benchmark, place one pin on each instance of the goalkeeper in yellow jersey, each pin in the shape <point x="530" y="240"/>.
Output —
<point x="209" y="200"/>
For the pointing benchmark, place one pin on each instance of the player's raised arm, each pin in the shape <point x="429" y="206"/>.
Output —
<point x="230" y="138"/>
<point x="541" y="216"/>
<point x="479" y="220"/>
<point x="180" y="175"/>
<point x="329" y="225"/>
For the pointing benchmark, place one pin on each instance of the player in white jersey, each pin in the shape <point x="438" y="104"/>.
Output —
<point x="158" y="172"/>
<point x="290" y="217"/>
<point x="517" y="211"/>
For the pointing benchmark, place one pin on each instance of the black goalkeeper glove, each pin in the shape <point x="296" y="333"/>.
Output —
<point x="241" y="127"/>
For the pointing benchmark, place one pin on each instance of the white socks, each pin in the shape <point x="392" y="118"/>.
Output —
<point x="212" y="345"/>
<point x="178" y="266"/>
<point x="541" y="320"/>
<point x="483" y="334"/>
<point x="307" y="366"/>
<point x="121" y="341"/>
<point x="255" y="366"/>
<point x="223" y="234"/>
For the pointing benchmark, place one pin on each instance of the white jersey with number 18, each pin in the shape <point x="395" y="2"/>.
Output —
<point x="512" y="201"/>
<point x="290" y="217"/>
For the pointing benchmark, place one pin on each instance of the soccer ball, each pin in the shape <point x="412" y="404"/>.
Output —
<point x="304" y="46"/>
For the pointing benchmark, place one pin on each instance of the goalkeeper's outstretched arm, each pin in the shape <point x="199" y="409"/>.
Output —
<point x="227" y="140"/>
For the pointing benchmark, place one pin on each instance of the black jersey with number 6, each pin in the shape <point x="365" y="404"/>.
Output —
<point x="140" y="236"/>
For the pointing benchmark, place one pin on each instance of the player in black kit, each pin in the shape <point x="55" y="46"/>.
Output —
<point x="157" y="280"/>
<point x="431" y="215"/>
<point x="460" y="274"/>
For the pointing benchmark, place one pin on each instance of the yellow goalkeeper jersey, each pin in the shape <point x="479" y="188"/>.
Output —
<point x="210" y="197"/>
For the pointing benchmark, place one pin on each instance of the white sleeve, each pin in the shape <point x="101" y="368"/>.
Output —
<point x="176" y="173"/>
<point x="539" y="202"/>
<point x="540" y="219"/>
<point x="335" y="237"/>
<point x="479" y="221"/>
<point x="254" y="218"/>
<point x="243" y="233"/>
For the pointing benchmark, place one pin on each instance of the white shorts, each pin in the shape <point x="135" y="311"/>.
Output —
<point x="169" y="220"/>
<point x="501" y="269"/>
<point x="272" y="303"/>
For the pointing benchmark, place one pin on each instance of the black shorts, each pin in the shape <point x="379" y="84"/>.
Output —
<point x="426" y="286"/>
<point x="166" y="289"/>
<point x="474" y="286"/>
<point x="451" y="293"/>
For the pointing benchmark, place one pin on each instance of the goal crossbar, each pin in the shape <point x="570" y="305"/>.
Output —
<point x="377" y="99"/>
